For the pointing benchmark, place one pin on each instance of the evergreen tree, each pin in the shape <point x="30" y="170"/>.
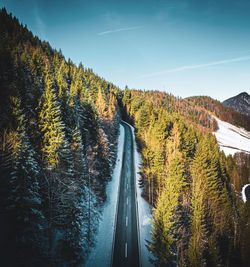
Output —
<point x="101" y="104"/>
<point x="210" y="204"/>
<point x="25" y="199"/>
<point x="50" y="124"/>
<point x="167" y="213"/>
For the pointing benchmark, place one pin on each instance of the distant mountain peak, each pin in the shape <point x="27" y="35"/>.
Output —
<point x="240" y="103"/>
<point x="244" y="94"/>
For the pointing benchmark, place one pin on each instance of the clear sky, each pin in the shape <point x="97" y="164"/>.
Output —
<point x="185" y="47"/>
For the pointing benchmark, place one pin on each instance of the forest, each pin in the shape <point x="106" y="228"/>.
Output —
<point x="58" y="140"/>
<point x="198" y="216"/>
<point x="59" y="127"/>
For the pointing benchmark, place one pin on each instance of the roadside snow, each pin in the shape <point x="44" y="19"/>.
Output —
<point x="243" y="192"/>
<point x="144" y="212"/>
<point x="101" y="254"/>
<point x="232" y="139"/>
<point x="104" y="239"/>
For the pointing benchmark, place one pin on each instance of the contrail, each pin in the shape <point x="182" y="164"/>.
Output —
<point x="199" y="66"/>
<point x="120" y="30"/>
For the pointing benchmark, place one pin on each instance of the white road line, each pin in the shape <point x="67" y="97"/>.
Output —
<point x="126" y="221"/>
<point x="126" y="250"/>
<point x="127" y="200"/>
<point x="127" y="186"/>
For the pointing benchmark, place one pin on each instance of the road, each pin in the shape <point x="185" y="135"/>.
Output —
<point x="126" y="249"/>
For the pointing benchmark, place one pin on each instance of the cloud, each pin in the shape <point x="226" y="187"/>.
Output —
<point x="198" y="66"/>
<point x="40" y="25"/>
<point x="120" y="30"/>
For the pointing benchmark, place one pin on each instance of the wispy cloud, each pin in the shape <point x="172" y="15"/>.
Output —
<point x="39" y="23"/>
<point x="41" y="27"/>
<point x="120" y="30"/>
<point x="198" y="66"/>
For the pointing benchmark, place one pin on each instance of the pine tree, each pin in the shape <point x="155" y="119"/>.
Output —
<point x="210" y="204"/>
<point x="79" y="156"/>
<point x="101" y="104"/>
<point x="25" y="199"/>
<point x="50" y="124"/>
<point x="73" y="247"/>
<point x="167" y="213"/>
<point x="111" y="106"/>
<point x="197" y="243"/>
<point x="58" y="161"/>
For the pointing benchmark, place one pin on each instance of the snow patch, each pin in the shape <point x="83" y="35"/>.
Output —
<point x="146" y="220"/>
<point x="232" y="139"/>
<point x="243" y="193"/>
<point x="101" y="254"/>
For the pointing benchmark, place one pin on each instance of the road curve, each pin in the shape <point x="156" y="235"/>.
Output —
<point x="125" y="247"/>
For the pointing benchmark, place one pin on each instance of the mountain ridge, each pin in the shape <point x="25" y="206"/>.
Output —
<point x="240" y="103"/>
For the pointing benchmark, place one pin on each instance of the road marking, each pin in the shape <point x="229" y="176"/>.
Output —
<point x="127" y="200"/>
<point x="126" y="221"/>
<point x="127" y="186"/>
<point x="126" y="250"/>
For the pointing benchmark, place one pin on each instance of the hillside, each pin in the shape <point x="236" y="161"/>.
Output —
<point x="58" y="134"/>
<point x="190" y="183"/>
<point x="232" y="139"/>
<point x="240" y="103"/>
<point x="222" y="112"/>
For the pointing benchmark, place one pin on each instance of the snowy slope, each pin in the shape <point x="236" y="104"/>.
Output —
<point x="144" y="213"/>
<point x="231" y="138"/>
<point x="104" y="238"/>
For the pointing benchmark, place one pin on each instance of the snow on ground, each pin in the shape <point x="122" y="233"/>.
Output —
<point x="232" y="139"/>
<point x="104" y="239"/>
<point x="100" y="257"/>
<point x="243" y="192"/>
<point x="144" y="212"/>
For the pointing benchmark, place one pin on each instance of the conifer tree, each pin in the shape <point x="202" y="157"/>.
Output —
<point x="210" y="204"/>
<point x="197" y="243"/>
<point x="167" y="213"/>
<point x="24" y="197"/>
<point x="58" y="161"/>
<point x="50" y="124"/>
<point x="101" y="104"/>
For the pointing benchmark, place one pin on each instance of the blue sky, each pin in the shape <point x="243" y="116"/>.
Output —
<point x="185" y="47"/>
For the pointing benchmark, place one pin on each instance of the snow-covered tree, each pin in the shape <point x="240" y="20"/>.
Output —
<point x="24" y="198"/>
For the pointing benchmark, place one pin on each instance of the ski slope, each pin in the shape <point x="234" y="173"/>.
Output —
<point x="232" y="139"/>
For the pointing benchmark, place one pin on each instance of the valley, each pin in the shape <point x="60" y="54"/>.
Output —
<point x="97" y="175"/>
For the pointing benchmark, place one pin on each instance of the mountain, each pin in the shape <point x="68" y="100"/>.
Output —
<point x="240" y="103"/>
<point x="221" y="111"/>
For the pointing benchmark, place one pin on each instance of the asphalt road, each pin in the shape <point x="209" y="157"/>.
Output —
<point x="126" y="249"/>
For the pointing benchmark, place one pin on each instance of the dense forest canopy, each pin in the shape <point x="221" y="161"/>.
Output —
<point x="59" y="126"/>
<point x="198" y="217"/>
